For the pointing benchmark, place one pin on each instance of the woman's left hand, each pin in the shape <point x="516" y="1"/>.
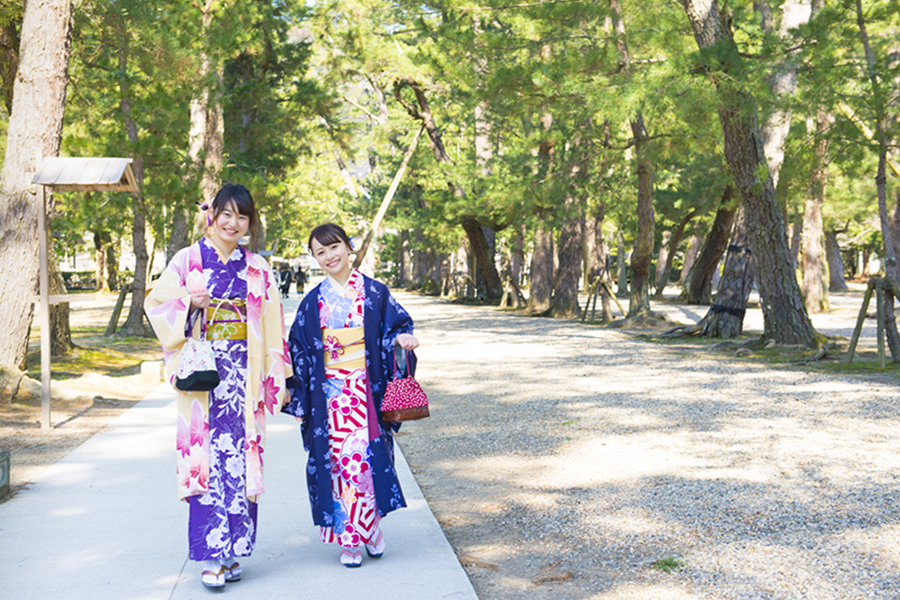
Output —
<point x="407" y="341"/>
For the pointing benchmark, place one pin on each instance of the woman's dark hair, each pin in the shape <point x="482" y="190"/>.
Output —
<point x="243" y="201"/>
<point x="328" y="234"/>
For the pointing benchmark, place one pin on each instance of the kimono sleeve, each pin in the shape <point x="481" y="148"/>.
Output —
<point x="298" y="385"/>
<point x="394" y="322"/>
<point x="277" y="365"/>
<point x="167" y="307"/>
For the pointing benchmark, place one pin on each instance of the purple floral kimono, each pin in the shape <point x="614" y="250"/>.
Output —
<point x="221" y="433"/>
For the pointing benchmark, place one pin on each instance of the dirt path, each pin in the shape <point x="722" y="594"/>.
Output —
<point x="83" y="403"/>
<point x="563" y="461"/>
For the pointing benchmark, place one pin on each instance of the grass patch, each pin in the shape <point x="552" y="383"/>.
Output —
<point x="111" y="356"/>
<point x="668" y="564"/>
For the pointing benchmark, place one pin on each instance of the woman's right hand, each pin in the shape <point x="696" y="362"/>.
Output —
<point x="200" y="299"/>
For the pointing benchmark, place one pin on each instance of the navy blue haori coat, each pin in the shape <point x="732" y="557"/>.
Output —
<point x="384" y="319"/>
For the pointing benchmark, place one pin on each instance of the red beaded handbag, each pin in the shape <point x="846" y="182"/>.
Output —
<point x="404" y="399"/>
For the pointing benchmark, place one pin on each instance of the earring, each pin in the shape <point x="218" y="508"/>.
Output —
<point x="208" y="221"/>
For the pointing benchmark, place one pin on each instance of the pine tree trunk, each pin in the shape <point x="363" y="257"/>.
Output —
<point x="690" y="258"/>
<point x="484" y="257"/>
<point x="662" y="257"/>
<point x="891" y="267"/>
<point x="518" y="257"/>
<point x="180" y="237"/>
<point x="814" y="285"/>
<point x="704" y="268"/>
<point x="419" y="262"/>
<point x="101" y="272"/>
<point x="112" y="267"/>
<point x="795" y="231"/>
<point x="35" y="127"/>
<point x="60" y="332"/>
<point x="783" y="82"/>
<point x="725" y="318"/>
<point x="9" y="60"/>
<point x="836" y="282"/>
<point x="422" y="111"/>
<point x="621" y="269"/>
<point x="570" y="248"/>
<point x="667" y="257"/>
<point x="641" y="257"/>
<point x="541" y="271"/>
<point x="784" y="315"/>
<point x="403" y="260"/>
<point x="134" y="324"/>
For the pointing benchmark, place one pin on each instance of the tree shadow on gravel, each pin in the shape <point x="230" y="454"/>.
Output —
<point x="563" y="461"/>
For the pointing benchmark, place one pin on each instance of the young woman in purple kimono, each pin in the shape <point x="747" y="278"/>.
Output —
<point x="218" y="286"/>
<point x="341" y="346"/>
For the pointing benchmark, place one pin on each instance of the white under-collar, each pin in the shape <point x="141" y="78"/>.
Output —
<point x="337" y="286"/>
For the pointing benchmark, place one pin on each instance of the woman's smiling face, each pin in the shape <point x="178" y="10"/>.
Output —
<point x="230" y="225"/>
<point x="334" y="258"/>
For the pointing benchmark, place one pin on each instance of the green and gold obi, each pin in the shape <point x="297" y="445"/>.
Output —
<point x="227" y="320"/>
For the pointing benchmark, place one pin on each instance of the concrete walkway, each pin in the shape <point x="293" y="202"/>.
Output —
<point x="105" y="522"/>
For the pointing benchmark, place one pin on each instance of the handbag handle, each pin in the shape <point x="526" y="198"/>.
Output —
<point x="192" y="320"/>
<point x="405" y="360"/>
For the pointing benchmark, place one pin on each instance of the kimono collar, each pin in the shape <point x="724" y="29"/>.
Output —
<point x="235" y="254"/>
<point x="354" y="282"/>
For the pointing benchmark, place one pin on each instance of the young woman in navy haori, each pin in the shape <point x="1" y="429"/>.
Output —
<point x="341" y="348"/>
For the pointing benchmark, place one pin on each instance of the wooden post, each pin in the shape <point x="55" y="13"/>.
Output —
<point x="879" y="300"/>
<point x="616" y="300"/>
<point x="114" y="319"/>
<point x="45" y="308"/>
<point x="860" y="320"/>
<point x="591" y="290"/>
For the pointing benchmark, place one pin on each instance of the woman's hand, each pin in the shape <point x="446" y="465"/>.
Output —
<point x="407" y="341"/>
<point x="200" y="299"/>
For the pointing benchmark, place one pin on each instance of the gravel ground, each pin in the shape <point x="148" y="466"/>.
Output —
<point x="563" y="460"/>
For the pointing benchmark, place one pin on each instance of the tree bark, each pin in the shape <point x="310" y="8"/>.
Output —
<point x="34" y="130"/>
<point x="836" y="281"/>
<point x="600" y="262"/>
<point x="641" y="257"/>
<point x="814" y="284"/>
<point x="690" y="258"/>
<point x="60" y="332"/>
<point x="518" y="256"/>
<point x="541" y="270"/>
<point x="621" y="269"/>
<point x="9" y="59"/>
<point x="891" y="268"/>
<point x="101" y="272"/>
<point x="704" y="268"/>
<point x="419" y="264"/>
<point x="666" y="258"/>
<point x="421" y="111"/>
<point x="784" y="315"/>
<point x="134" y="324"/>
<point x="725" y="317"/>
<point x="485" y="259"/>
<point x="564" y="303"/>
<point x="403" y="260"/>
<point x="783" y="82"/>
<point x="180" y="236"/>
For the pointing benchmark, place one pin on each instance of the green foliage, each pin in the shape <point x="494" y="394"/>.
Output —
<point x="668" y="564"/>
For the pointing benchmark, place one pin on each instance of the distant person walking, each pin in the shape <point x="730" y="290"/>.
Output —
<point x="300" y="280"/>
<point x="217" y="286"/>
<point x="286" y="276"/>
<point x="341" y="344"/>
